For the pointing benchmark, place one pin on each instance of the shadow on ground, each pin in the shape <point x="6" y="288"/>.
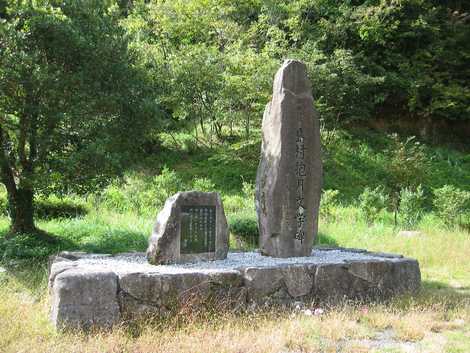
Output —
<point x="27" y="247"/>
<point x="445" y="290"/>
<point x="325" y="239"/>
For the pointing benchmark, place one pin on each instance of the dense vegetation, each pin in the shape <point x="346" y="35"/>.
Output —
<point x="86" y="88"/>
<point x="107" y="107"/>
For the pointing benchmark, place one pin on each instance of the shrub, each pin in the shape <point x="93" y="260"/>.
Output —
<point x="451" y="204"/>
<point x="59" y="207"/>
<point x="328" y="204"/>
<point x="411" y="207"/>
<point x="49" y="207"/>
<point x="245" y="226"/>
<point x="203" y="184"/>
<point x="248" y="190"/>
<point x="161" y="187"/>
<point x="142" y="195"/>
<point x="372" y="202"/>
<point x="241" y="202"/>
<point x="3" y="201"/>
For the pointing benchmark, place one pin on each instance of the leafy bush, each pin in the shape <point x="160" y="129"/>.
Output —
<point x="372" y="202"/>
<point x="248" y="190"/>
<point x="142" y="195"/>
<point x="245" y="226"/>
<point x="451" y="204"/>
<point x="406" y="167"/>
<point x="55" y="207"/>
<point x="411" y="207"/>
<point x="203" y="184"/>
<point x="241" y="203"/>
<point x="243" y="223"/>
<point x="3" y="201"/>
<point x="328" y="203"/>
<point x="49" y="207"/>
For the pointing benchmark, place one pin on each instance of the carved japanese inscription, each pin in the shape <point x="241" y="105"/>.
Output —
<point x="288" y="182"/>
<point x="191" y="227"/>
<point x="197" y="229"/>
<point x="300" y="174"/>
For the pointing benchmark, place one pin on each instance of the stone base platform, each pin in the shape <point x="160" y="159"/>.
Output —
<point x="101" y="290"/>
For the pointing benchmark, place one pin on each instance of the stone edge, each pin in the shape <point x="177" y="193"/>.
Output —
<point x="354" y="279"/>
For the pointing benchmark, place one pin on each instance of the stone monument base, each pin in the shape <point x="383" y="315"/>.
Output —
<point x="101" y="290"/>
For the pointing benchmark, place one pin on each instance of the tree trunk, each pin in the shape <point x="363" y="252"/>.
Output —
<point x="22" y="212"/>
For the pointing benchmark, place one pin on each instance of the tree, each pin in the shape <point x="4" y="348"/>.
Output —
<point x="72" y="103"/>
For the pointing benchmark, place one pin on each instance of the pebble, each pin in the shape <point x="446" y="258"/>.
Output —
<point x="136" y="262"/>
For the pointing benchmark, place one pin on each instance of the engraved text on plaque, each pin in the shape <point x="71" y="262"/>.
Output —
<point x="197" y="229"/>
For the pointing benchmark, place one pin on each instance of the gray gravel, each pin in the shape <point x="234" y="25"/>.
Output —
<point x="137" y="262"/>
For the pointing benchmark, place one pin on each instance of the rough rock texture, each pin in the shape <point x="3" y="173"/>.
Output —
<point x="288" y="183"/>
<point x="82" y="299"/>
<point x="100" y="290"/>
<point x="165" y="241"/>
<point x="142" y="293"/>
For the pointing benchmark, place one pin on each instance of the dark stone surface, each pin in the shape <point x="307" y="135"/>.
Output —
<point x="166" y="242"/>
<point x="288" y="182"/>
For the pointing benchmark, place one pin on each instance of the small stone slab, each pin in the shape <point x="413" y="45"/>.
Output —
<point x="191" y="227"/>
<point x="288" y="181"/>
<point x="102" y="290"/>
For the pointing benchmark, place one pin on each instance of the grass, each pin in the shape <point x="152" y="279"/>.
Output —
<point x="121" y="218"/>
<point x="437" y="320"/>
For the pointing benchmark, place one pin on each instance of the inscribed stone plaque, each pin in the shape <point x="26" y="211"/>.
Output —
<point x="191" y="227"/>
<point x="197" y="229"/>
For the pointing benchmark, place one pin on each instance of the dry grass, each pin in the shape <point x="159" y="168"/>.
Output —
<point x="25" y="328"/>
<point x="437" y="320"/>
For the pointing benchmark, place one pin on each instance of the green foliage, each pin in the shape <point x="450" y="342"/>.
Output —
<point x="245" y="226"/>
<point x="203" y="184"/>
<point x="451" y="204"/>
<point x="3" y="201"/>
<point x="143" y="195"/>
<point x="25" y="246"/>
<point x="68" y="89"/>
<point x="50" y="207"/>
<point x="339" y="82"/>
<point x="329" y="202"/>
<point x="411" y="208"/>
<point x="242" y="219"/>
<point x="59" y="64"/>
<point x="407" y="164"/>
<point x="214" y="60"/>
<point x="372" y="202"/>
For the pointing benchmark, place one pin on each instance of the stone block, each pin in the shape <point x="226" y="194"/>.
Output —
<point x="84" y="298"/>
<point x="191" y="227"/>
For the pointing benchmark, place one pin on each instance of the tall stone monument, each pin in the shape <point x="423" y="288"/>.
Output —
<point x="288" y="183"/>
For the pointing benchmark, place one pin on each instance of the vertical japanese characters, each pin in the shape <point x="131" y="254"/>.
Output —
<point x="300" y="173"/>
<point x="198" y="229"/>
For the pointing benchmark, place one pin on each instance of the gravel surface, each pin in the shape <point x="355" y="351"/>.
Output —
<point x="137" y="262"/>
